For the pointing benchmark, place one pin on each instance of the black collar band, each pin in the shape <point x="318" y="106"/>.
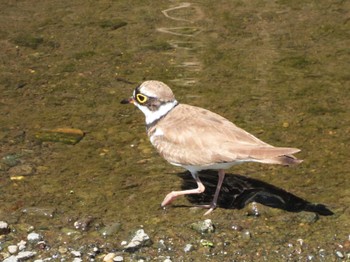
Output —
<point x="150" y="125"/>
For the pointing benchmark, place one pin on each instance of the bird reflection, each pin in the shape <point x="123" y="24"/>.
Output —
<point x="237" y="191"/>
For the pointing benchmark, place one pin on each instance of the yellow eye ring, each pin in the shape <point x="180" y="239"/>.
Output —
<point x="141" y="98"/>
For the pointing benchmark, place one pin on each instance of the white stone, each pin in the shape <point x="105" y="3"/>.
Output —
<point x="109" y="257"/>
<point x="34" y="237"/>
<point x="188" y="248"/>
<point x="118" y="259"/>
<point x="76" y="253"/>
<point x="25" y="255"/>
<point x="21" y="245"/>
<point x="140" y="239"/>
<point x="11" y="259"/>
<point x="3" y="224"/>
<point x="13" y="249"/>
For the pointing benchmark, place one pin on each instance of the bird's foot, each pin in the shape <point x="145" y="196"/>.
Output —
<point x="168" y="199"/>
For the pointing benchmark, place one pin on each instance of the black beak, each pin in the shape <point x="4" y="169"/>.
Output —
<point x="127" y="101"/>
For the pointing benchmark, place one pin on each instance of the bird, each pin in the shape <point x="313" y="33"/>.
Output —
<point x="198" y="139"/>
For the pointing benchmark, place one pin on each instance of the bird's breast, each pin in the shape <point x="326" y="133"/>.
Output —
<point x="156" y="133"/>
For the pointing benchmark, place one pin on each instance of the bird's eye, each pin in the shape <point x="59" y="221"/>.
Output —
<point x="141" y="98"/>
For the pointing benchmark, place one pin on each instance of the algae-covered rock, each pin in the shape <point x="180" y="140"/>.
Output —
<point x="63" y="135"/>
<point x="203" y="227"/>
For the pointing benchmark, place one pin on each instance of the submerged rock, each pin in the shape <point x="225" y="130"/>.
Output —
<point x="140" y="239"/>
<point x="83" y="223"/>
<point x="63" y="135"/>
<point x="203" y="227"/>
<point x="11" y="159"/>
<point x="110" y="229"/>
<point x="21" y="170"/>
<point x="39" y="211"/>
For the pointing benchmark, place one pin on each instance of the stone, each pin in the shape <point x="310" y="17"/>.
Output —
<point x="109" y="257"/>
<point x="110" y="229"/>
<point x="24" y="255"/>
<point x="21" y="245"/>
<point x="188" y="248"/>
<point x="83" y="223"/>
<point x="118" y="259"/>
<point x="203" y="227"/>
<point x="140" y="239"/>
<point x="246" y="235"/>
<point x="11" y="259"/>
<point x="76" y="253"/>
<point x="39" y="211"/>
<point x="62" y="250"/>
<point x="11" y="159"/>
<point x="4" y="228"/>
<point x="34" y="237"/>
<point x="62" y="135"/>
<point x="13" y="249"/>
<point x="21" y="170"/>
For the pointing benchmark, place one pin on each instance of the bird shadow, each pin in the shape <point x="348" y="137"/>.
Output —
<point x="237" y="191"/>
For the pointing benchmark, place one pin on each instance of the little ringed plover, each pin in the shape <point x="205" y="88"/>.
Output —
<point x="198" y="139"/>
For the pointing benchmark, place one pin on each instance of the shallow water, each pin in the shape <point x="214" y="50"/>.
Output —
<point x="278" y="69"/>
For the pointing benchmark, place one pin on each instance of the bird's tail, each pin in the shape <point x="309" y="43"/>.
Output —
<point x="284" y="156"/>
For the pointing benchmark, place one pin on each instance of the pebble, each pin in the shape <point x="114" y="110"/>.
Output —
<point x="34" y="237"/>
<point x="70" y="232"/>
<point x="139" y="240"/>
<point x="13" y="249"/>
<point x="203" y="227"/>
<point x="23" y="255"/>
<point x="77" y="259"/>
<point x="188" y="248"/>
<point x="246" y="235"/>
<point x="11" y="160"/>
<point x="109" y="257"/>
<point x="63" y="135"/>
<point x="11" y="259"/>
<point x="110" y="229"/>
<point x="161" y="245"/>
<point x="118" y="259"/>
<point x="21" y="170"/>
<point x="4" y="228"/>
<point x="39" y="211"/>
<point x="83" y="223"/>
<point x="21" y="245"/>
<point x="339" y="254"/>
<point x="76" y="253"/>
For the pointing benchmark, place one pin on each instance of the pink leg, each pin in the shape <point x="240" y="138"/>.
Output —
<point x="174" y="194"/>
<point x="212" y="206"/>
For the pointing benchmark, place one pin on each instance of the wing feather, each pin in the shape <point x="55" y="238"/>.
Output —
<point x="196" y="136"/>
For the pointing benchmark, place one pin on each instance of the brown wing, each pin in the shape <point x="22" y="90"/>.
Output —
<point x="195" y="136"/>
